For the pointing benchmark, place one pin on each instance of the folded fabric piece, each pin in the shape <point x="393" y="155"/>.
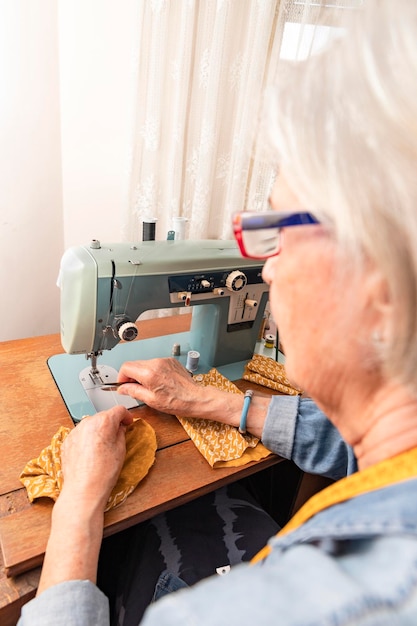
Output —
<point x="222" y="445"/>
<point x="43" y="476"/>
<point x="265" y="371"/>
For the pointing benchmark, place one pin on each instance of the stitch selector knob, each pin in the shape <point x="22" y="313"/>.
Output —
<point x="236" y="280"/>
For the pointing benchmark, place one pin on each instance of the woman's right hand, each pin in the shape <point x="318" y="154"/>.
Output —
<point x="164" y="385"/>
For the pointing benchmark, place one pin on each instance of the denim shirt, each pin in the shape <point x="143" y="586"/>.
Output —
<point x="354" y="563"/>
<point x="295" y="429"/>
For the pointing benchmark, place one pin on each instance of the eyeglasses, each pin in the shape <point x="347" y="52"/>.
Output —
<point x="258" y="234"/>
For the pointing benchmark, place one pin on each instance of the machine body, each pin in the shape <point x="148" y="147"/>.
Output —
<point x="105" y="288"/>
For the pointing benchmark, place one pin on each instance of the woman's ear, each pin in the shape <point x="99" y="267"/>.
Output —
<point x="378" y="303"/>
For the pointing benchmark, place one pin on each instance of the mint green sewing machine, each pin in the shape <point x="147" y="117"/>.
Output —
<point x="106" y="287"/>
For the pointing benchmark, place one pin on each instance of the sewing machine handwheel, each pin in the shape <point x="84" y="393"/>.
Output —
<point x="128" y="331"/>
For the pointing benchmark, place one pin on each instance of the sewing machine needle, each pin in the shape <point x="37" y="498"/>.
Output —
<point x="114" y="386"/>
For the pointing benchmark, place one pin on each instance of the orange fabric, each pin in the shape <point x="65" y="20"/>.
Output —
<point x="221" y="444"/>
<point x="265" y="371"/>
<point x="43" y="475"/>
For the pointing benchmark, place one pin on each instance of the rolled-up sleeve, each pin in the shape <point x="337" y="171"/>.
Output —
<point x="296" y="429"/>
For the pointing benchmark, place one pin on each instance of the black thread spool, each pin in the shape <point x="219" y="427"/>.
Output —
<point x="149" y="230"/>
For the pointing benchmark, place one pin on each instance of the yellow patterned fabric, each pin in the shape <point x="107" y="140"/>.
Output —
<point x="220" y="444"/>
<point x="388" y="472"/>
<point x="43" y="476"/>
<point x="265" y="371"/>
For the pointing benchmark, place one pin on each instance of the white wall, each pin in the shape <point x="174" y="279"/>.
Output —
<point x="31" y="232"/>
<point x="66" y="87"/>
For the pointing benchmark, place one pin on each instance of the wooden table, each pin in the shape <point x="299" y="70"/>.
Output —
<point x="31" y="411"/>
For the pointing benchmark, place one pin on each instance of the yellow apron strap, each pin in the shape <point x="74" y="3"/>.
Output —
<point x="387" y="472"/>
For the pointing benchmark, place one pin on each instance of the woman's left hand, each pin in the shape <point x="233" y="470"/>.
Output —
<point x="93" y="455"/>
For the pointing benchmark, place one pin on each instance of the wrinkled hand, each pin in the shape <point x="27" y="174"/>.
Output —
<point x="93" y="455"/>
<point x="165" y="385"/>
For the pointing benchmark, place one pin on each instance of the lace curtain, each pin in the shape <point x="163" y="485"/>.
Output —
<point x="202" y="66"/>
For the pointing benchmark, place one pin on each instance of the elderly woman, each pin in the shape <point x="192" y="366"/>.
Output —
<point x="343" y="288"/>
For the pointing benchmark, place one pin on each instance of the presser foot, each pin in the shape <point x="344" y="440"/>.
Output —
<point x="92" y="380"/>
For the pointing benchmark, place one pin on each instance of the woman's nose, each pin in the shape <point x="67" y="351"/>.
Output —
<point x="267" y="271"/>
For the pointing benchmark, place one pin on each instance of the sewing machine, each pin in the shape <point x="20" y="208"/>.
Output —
<point x="105" y="288"/>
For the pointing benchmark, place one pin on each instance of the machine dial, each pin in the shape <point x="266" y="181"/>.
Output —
<point x="128" y="331"/>
<point x="236" y="280"/>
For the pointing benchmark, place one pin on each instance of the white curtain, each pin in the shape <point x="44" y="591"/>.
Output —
<point x="202" y="66"/>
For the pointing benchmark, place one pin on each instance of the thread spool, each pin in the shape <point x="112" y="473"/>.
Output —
<point x="192" y="360"/>
<point x="269" y="341"/>
<point x="149" y="229"/>
<point x="178" y="226"/>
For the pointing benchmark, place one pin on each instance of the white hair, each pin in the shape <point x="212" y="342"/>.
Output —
<point x="344" y="126"/>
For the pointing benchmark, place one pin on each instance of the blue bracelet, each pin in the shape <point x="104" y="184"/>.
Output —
<point x="246" y="403"/>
